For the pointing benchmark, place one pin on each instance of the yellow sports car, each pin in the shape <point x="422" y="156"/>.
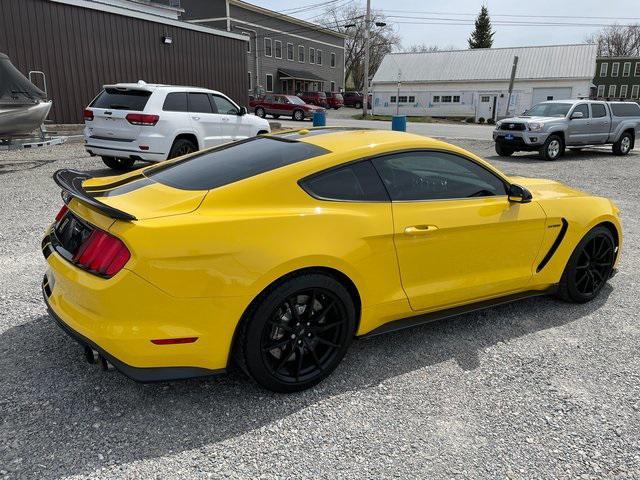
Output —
<point x="276" y="251"/>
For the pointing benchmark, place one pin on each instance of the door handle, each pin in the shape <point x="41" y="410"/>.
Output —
<point x="420" y="229"/>
<point x="196" y="118"/>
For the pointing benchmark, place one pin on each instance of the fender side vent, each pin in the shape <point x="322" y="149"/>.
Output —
<point x="554" y="247"/>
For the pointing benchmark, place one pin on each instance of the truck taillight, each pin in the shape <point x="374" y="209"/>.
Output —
<point x="142" y="119"/>
<point x="102" y="254"/>
<point x="88" y="114"/>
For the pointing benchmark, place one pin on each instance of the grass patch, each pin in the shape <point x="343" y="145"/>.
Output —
<point x="387" y="118"/>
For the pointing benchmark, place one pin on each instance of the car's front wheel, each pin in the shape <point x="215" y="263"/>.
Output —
<point x="503" y="150"/>
<point x="119" y="164"/>
<point x="297" y="333"/>
<point x="298" y="115"/>
<point x="553" y="148"/>
<point x="589" y="266"/>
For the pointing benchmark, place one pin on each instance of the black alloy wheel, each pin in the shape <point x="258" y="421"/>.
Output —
<point x="181" y="147"/>
<point x="298" y="334"/>
<point x="589" y="267"/>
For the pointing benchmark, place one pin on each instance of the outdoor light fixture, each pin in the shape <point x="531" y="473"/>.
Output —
<point x="167" y="40"/>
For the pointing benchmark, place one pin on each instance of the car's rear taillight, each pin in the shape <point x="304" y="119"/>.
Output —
<point x="103" y="254"/>
<point x="61" y="213"/>
<point x="88" y="114"/>
<point x="142" y="119"/>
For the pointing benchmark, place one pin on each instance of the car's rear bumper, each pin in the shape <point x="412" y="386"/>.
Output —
<point x="520" y="140"/>
<point x="120" y="152"/>
<point x="155" y="146"/>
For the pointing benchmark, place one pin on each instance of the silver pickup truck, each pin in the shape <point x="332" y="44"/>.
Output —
<point x="549" y="127"/>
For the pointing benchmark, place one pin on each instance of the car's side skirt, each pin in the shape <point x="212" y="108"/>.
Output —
<point x="452" y="312"/>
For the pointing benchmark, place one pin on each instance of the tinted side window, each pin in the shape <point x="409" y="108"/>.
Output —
<point x="199" y="103"/>
<point x="629" y="109"/>
<point x="175" y="102"/>
<point x="355" y="182"/>
<point x="117" y="99"/>
<point x="232" y="162"/>
<point x="598" y="110"/>
<point x="436" y="176"/>
<point x="224" y="106"/>
<point x="584" y="108"/>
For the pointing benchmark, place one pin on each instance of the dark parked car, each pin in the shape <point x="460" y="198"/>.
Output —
<point x="334" y="100"/>
<point x="354" y="99"/>
<point x="286" y="105"/>
<point x="315" y="98"/>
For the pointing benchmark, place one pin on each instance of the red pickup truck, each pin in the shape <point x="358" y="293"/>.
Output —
<point x="286" y="105"/>
<point x="334" y="100"/>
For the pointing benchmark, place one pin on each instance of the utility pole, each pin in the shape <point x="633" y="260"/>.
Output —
<point x="367" y="26"/>
<point x="511" y="80"/>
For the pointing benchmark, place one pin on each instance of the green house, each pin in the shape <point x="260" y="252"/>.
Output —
<point x="617" y="78"/>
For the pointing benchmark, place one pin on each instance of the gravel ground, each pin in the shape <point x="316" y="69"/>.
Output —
<point x="536" y="389"/>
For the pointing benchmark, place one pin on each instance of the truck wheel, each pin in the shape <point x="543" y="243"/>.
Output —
<point x="119" y="164"/>
<point x="624" y="144"/>
<point x="503" y="150"/>
<point x="553" y="148"/>
<point x="357" y="105"/>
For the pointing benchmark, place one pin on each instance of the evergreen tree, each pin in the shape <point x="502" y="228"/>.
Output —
<point x="482" y="36"/>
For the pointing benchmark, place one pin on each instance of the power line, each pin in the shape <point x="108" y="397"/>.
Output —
<point x="507" y="24"/>
<point x="512" y="15"/>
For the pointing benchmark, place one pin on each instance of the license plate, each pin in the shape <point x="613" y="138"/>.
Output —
<point x="508" y="137"/>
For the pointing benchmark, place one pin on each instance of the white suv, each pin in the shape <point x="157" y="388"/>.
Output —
<point x="139" y="121"/>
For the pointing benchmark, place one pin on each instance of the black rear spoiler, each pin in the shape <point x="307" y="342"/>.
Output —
<point x="71" y="183"/>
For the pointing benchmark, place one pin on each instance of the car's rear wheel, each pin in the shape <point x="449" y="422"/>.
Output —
<point x="553" y="148"/>
<point x="623" y="145"/>
<point x="297" y="333"/>
<point x="357" y="105"/>
<point x="298" y="115"/>
<point x="182" y="146"/>
<point x="503" y="150"/>
<point x="119" y="164"/>
<point x="261" y="112"/>
<point x="589" y="266"/>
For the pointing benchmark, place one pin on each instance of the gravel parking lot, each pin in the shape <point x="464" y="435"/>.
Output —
<point x="536" y="389"/>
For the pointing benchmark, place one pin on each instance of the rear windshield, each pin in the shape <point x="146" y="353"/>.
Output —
<point x="232" y="162"/>
<point x="116" y="99"/>
<point x="630" y="109"/>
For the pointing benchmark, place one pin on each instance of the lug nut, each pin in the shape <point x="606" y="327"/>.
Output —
<point x="293" y="335"/>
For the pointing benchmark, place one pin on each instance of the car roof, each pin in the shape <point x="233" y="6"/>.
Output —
<point x="151" y="87"/>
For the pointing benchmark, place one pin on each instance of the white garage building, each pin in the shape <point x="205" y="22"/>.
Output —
<point x="475" y="83"/>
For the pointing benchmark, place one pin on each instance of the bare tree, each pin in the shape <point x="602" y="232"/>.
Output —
<point x="617" y="41"/>
<point x="382" y="40"/>
<point x="423" y="47"/>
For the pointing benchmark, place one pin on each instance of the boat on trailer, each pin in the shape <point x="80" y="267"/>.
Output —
<point x="23" y="106"/>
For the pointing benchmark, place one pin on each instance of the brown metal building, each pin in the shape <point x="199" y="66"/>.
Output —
<point x="81" y="45"/>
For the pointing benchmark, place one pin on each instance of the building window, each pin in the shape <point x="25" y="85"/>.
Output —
<point x="392" y="99"/>
<point x="436" y="99"/>
<point x="301" y="53"/>
<point x="626" y="69"/>
<point x="623" y="91"/>
<point x="312" y="55"/>
<point x="249" y="42"/>
<point x="600" y="90"/>
<point x="318" y="57"/>
<point x="412" y="99"/>
<point x="485" y="99"/>
<point x="615" y="68"/>
<point x="267" y="47"/>
<point x="604" y="69"/>
<point x="456" y="99"/>
<point x="249" y="77"/>
<point x="269" y="82"/>
<point x="612" y="91"/>
<point x="402" y="99"/>
<point x="637" y="72"/>
<point x="333" y="60"/>
<point x="278" y="44"/>
<point x="290" y="51"/>
<point x="446" y="99"/>
<point x="634" y="91"/>
<point x="333" y="86"/>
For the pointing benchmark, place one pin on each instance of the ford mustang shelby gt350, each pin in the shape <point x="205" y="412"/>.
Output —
<point x="276" y="251"/>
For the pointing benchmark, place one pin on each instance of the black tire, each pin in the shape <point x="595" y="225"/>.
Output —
<point x="503" y="150"/>
<point x="553" y="148"/>
<point x="296" y="333"/>
<point x="624" y="144"/>
<point x="260" y="112"/>
<point x="182" y="146"/>
<point x="589" y="266"/>
<point x="275" y="115"/>
<point x="358" y="105"/>
<point x="119" y="164"/>
<point x="298" y="115"/>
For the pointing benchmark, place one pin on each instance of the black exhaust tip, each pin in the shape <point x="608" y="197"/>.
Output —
<point x="90" y="355"/>
<point x="104" y="363"/>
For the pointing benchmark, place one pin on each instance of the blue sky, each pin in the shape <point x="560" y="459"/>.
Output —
<point x="604" y="11"/>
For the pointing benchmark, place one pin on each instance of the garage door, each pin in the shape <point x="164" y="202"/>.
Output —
<point x="544" y="94"/>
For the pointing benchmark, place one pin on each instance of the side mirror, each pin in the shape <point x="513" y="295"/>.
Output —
<point x="519" y="194"/>
<point x="577" y="115"/>
<point x="243" y="111"/>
